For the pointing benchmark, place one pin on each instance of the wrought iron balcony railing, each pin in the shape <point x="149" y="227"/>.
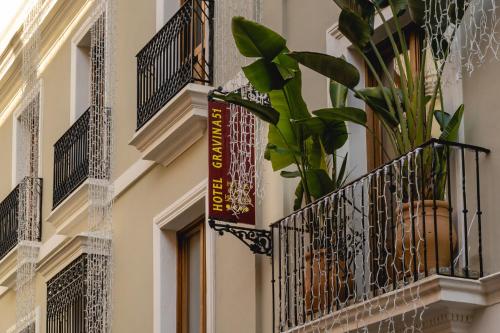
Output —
<point x="180" y="53"/>
<point x="71" y="159"/>
<point x="11" y="212"/>
<point x="416" y="216"/>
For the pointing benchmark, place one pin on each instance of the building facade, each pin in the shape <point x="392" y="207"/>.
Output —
<point x="162" y="267"/>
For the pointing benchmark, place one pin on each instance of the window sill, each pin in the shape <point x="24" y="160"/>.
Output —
<point x="176" y="127"/>
<point x="71" y="212"/>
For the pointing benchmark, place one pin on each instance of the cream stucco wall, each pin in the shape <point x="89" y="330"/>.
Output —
<point x="242" y="280"/>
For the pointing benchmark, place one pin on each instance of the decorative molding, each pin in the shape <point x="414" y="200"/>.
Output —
<point x="59" y="256"/>
<point x="447" y="300"/>
<point x="60" y="19"/>
<point x="452" y="320"/>
<point x="72" y="211"/>
<point x="130" y="176"/>
<point x="184" y="210"/>
<point x="8" y="270"/>
<point x="176" y="127"/>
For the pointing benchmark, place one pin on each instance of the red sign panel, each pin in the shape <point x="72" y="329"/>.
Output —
<point x="221" y="207"/>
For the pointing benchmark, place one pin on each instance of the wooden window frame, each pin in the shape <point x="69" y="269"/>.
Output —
<point x="183" y="276"/>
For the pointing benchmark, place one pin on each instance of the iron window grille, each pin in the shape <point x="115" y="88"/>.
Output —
<point x="67" y="299"/>
<point x="9" y="216"/>
<point x="347" y="247"/>
<point x="180" y="53"/>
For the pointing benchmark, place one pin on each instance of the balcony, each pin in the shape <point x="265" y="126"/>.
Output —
<point x="374" y="249"/>
<point x="180" y="53"/>
<point x="11" y="212"/>
<point x="71" y="159"/>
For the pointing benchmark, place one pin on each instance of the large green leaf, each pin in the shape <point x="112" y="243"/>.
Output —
<point x="256" y="40"/>
<point x="335" y="68"/>
<point x="364" y="8"/>
<point x="293" y="100"/>
<point x="351" y="114"/>
<point x="266" y="113"/>
<point x="299" y="196"/>
<point x="338" y="94"/>
<point x="442" y="118"/>
<point x="315" y="155"/>
<point x="334" y="136"/>
<point x="354" y="28"/>
<point x="341" y="176"/>
<point x="417" y="11"/>
<point x="373" y="97"/>
<point x="279" y="156"/>
<point x="289" y="174"/>
<point x="450" y="132"/>
<point x="286" y="65"/>
<point x="319" y="182"/>
<point x="264" y="75"/>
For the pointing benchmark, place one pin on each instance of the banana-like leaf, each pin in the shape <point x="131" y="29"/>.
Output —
<point x="299" y="196"/>
<point x="332" y="67"/>
<point x="374" y="99"/>
<point x="319" y="182"/>
<point x="450" y="132"/>
<point x="341" y="176"/>
<point x="442" y="118"/>
<point x="351" y="114"/>
<point x="289" y="174"/>
<point x="279" y="156"/>
<point x="417" y="11"/>
<point x="364" y="8"/>
<point x="264" y="75"/>
<point x="334" y="136"/>
<point x="338" y="94"/>
<point x="255" y="40"/>
<point x="286" y="65"/>
<point x="354" y="28"/>
<point x="266" y="113"/>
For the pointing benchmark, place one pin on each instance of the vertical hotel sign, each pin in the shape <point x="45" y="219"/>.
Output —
<point x="219" y="158"/>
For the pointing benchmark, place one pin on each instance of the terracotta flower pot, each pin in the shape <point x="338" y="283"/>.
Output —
<point x="443" y="236"/>
<point x="325" y="286"/>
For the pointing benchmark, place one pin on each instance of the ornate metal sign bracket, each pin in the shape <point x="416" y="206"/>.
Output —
<point x="259" y="241"/>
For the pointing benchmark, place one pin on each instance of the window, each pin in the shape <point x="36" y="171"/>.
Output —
<point x="26" y="141"/>
<point x="81" y="76"/>
<point x="191" y="316"/>
<point x="66" y="298"/>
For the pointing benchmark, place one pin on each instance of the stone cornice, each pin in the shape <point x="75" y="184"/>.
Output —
<point x="59" y="18"/>
<point x="177" y="126"/>
<point x="447" y="300"/>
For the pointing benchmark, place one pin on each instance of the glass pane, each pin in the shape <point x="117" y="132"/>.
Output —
<point x="194" y="283"/>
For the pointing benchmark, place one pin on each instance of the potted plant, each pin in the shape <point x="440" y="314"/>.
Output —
<point x="405" y="111"/>
<point x="301" y="144"/>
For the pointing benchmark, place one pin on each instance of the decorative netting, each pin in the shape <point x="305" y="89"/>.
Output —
<point x="247" y="137"/>
<point x="98" y="310"/>
<point x="228" y="60"/>
<point x="29" y="208"/>
<point x="463" y="32"/>
<point x="354" y="260"/>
